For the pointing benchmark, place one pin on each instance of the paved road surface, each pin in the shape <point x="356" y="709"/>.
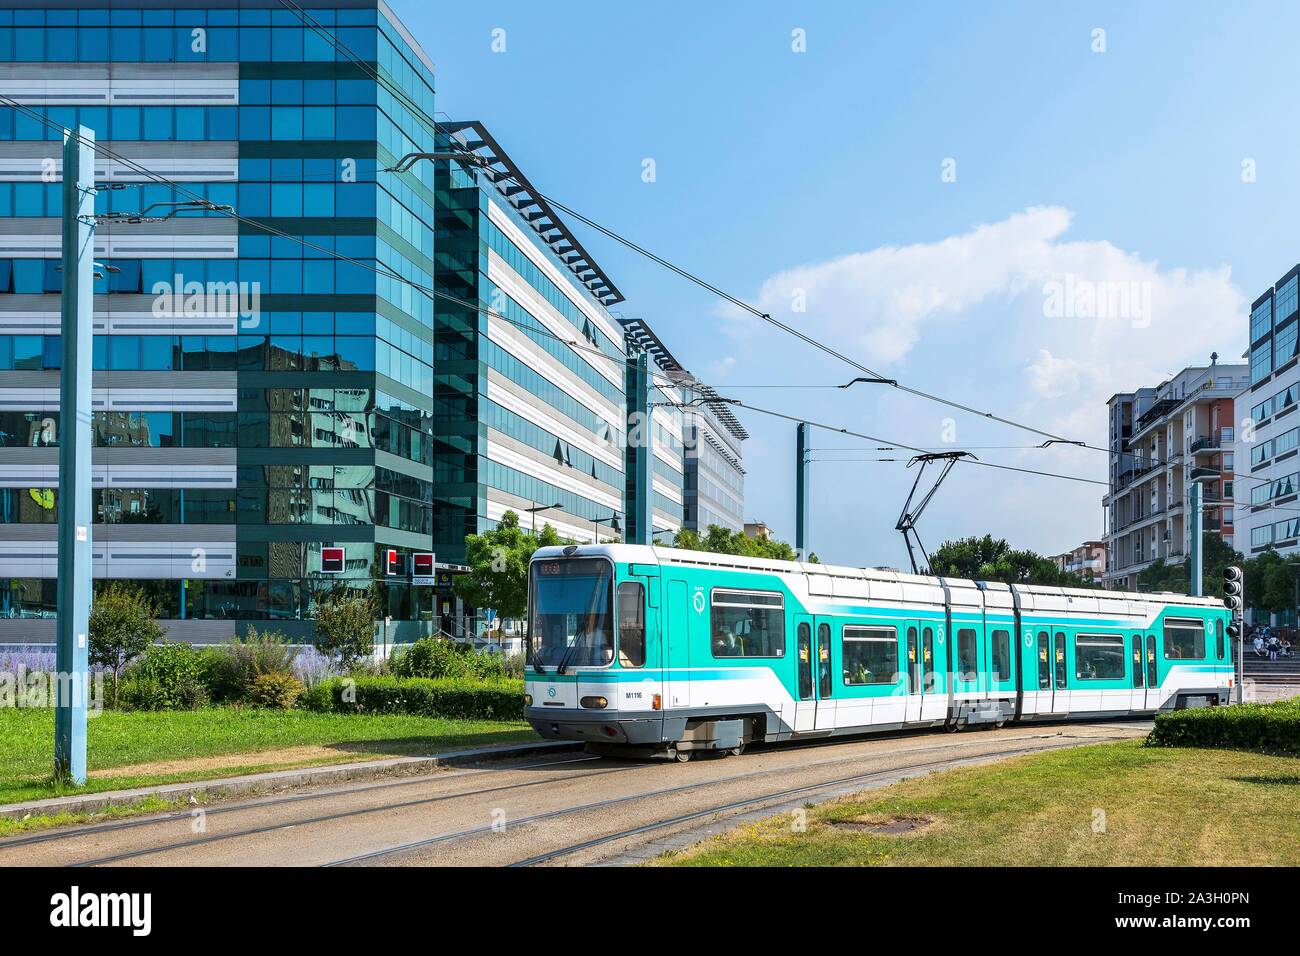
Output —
<point x="559" y="810"/>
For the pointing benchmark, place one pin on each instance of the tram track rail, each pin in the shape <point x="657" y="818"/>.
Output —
<point x="361" y="789"/>
<point x="132" y="823"/>
<point x="480" y="830"/>
<point x="779" y="798"/>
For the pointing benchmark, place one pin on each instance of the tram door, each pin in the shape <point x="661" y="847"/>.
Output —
<point x="1153" y="679"/>
<point x="824" y="677"/>
<point x="1138" y="695"/>
<point x="934" y="670"/>
<point x="1060" y="696"/>
<point x="805" y="708"/>
<point x="912" y="707"/>
<point x="676" y="611"/>
<point x="1043" y="695"/>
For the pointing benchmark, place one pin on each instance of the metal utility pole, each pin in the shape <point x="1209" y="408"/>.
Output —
<point x="1195" y="555"/>
<point x="640" y="452"/>
<point x="802" y="446"/>
<point x="74" y="565"/>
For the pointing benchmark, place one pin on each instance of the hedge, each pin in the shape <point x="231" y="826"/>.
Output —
<point x="1271" y="728"/>
<point x="419" y="696"/>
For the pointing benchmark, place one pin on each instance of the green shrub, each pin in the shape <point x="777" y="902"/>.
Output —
<point x="436" y="657"/>
<point x="419" y="696"/>
<point x="1271" y="728"/>
<point x="168" y="677"/>
<point x="231" y="671"/>
<point x="277" y="690"/>
<point x="140" y="693"/>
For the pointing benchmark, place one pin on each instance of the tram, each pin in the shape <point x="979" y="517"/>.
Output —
<point x="664" y="651"/>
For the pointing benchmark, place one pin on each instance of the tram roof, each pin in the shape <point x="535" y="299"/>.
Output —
<point x="962" y="591"/>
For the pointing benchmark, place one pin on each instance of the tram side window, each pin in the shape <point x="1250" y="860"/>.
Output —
<point x="1218" y="639"/>
<point x="967" y="655"/>
<point x="747" y="624"/>
<point x="870" y="655"/>
<point x="1099" y="657"/>
<point x="631" y="624"/>
<point x="1184" y="640"/>
<point x="1001" y="655"/>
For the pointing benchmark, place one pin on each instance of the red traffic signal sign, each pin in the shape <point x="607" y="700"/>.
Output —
<point x="422" y="565"/>
<point x="392" y="562"/>
<point x="331" y="560"/>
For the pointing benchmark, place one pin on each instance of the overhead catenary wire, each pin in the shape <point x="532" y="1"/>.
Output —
<point x="388" y="272"/>
<point x="433" y="124"/>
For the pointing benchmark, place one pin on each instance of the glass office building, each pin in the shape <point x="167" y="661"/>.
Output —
<point x="256" y="398"/>
<point x="698" y="476"/>
<point x="530" y="409"/>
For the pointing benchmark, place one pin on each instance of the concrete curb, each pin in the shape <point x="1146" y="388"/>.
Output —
<point x="280" y="779"/>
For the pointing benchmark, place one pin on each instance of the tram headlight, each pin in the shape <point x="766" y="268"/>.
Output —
<point x="595" y="703"/>
<point x="528" y="700"/>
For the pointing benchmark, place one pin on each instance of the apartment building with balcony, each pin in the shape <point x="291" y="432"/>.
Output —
<point x="1087" y="560"/>
<point x="1164" y="440"/>
<point x="1268" y="440"/>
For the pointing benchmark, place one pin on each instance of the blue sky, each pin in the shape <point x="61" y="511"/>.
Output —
<point x="819" y="171"/>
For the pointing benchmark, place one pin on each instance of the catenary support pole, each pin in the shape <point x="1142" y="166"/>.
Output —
<point x="74" y="568"/>
<point x="802" y="446"/>
<point x="640" y="513"/>
<point x="1197" y="549"/>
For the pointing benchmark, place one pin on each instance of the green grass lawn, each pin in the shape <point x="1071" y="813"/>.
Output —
<point x="1100" y="805"/>
<point x="124" y="739"/>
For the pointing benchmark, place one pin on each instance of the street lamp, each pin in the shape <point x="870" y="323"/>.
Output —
<point x="614" y="525"/>
<point x="535" y="509"/>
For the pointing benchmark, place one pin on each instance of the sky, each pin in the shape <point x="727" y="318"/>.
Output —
<point x="1024" y="207"/>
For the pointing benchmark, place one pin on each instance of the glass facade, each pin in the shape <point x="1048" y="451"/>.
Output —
<point x="304" y="421"/>
<point x="529" y="400"/>
<point x="377" y="360"/>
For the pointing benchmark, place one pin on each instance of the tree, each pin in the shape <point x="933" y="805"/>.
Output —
<point x="345" y="627"/>
<point x="993" y="559"/>
<point x="122" y="627"/>
<point x="498" y="563"/>
<point x="720" y="540"/>
<point x="1270" y="582"/>
<point x="1163" y="576"/>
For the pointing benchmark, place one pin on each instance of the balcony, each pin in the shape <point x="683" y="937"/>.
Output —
<point x="1156" y="411"/>
<point x="1204" y="474"/>
<point x="1205" y="443"/>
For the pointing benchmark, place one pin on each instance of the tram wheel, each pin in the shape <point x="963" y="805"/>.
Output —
<point x="682" y="756"/>
<point x="737" y="751"/>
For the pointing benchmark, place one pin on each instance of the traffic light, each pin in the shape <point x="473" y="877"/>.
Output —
<point x="392" y="562"/>
<point x="1234" y="629"/>
<point x="331" y="560"/>
<point x="1233" y="590"/>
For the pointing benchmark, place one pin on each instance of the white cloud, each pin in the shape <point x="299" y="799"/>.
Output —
<point x="1012" y="317"/>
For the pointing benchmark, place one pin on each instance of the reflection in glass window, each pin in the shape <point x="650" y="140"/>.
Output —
<point x="747" y="624"/>
<point x="1001" y="663"/>
<point x="967" y="655"/>
<point x="1184" y="640"/>
<point x="631" y="624"/>
<point x="1099" y="657"/>
<point x="870" y="655"/>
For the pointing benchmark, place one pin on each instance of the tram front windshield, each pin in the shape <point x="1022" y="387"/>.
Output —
<point x="570" y="623"/>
